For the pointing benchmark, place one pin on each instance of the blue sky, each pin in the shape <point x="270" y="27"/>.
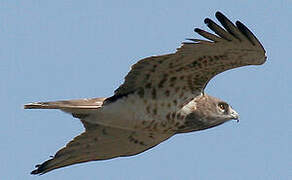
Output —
<point x="52" y="50"/>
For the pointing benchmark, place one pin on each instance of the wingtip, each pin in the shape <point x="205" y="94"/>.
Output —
<point x="218" y="14"/>
<point x="197" y="30"/>
<point x="221" y="17"/>
<point x="248" y="34"/>
<point x="193" y="40"/>
<point x="207" y="21"/>
<point x="40" y="169"/>
<point x="36" y="171"/>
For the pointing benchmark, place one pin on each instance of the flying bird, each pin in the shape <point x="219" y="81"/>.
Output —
<point x="160" y="97"/>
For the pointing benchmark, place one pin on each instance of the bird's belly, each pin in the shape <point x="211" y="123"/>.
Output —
<point x="130" y="113"/>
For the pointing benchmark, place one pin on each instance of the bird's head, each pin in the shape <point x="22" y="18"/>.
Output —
<point x="205" y="112"/>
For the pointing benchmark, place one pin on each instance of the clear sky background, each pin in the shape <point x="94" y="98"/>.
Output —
<point x="53" y="50"/>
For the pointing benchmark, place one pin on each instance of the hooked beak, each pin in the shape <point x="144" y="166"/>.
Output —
<point x="234" y="115"/>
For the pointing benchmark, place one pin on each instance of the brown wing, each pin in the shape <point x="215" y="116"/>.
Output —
<point x="186" y="72"/>
<point x="100" y="143"/>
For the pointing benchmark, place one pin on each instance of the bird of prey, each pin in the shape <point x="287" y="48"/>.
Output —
<point x="160" y="97"/>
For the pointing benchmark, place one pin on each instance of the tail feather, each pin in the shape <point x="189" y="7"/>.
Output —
<point x="69" y="105"/>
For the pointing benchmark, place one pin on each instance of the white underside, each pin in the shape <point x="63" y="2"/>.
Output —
<point x="126" y="113"/>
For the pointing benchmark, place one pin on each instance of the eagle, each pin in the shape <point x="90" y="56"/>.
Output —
<point x="161" y="96"/>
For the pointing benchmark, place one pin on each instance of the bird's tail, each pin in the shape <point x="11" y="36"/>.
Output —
<point x="70" y="106"/>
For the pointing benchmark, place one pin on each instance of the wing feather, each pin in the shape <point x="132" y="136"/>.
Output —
<point x="248" y="34"/>
<point x="207" y="35"/>
<point x="218" y="30"/>
<point x="229" y="26"/>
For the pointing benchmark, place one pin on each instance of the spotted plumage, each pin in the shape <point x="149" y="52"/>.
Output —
<point x="161" y="96"/>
